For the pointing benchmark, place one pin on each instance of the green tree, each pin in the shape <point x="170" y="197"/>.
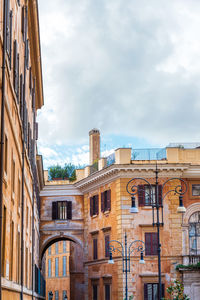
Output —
<point x="68" y="171"/>
<point x="176" y="291"/>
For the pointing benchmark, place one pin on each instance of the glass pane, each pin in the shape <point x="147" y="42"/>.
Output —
<point x="155" y="291"/>
<point x="196" y="190"/>
<point x="192" y="230"/>
<point x="149" y="291"/>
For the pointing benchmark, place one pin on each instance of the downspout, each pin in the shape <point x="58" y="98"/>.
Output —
<point x="23" y="157"/>
<point x="2" y="133"/>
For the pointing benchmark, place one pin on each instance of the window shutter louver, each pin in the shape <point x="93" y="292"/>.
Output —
<point x="91" y="206"/>
<point x="69" y="210"/>
<point x="107" y="239"/>
<point x="27" y="54"/>
<point x="154" y="245"/>
<point x="15" y="67"/>
<point x="109" y="200"/>
<point x="10" y="37"/>
<point x="102" y="202"/>
<point x="8" y="27"/>
<point x="23" y="21"/>
<point x="160" y="194"/>
<point x="54" y="210"/>
<point x="141" y="195"/>
<point x="145" y="292"/>
<point x="147" y="243"/>
<point x="28" y="142"/>
<point x="97" y="204"/>
<point x="95" y="249"/>
<point x="21" y="97"/>
<point x="30" y="78"/>
<point x="17" y="80"/>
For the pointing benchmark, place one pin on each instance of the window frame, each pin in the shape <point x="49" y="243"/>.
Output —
<point x="152" y="284"/>
<point x="95" y="248"/>
<point x="152" y="236"/>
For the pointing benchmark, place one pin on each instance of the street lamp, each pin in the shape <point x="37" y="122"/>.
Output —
<point x="126" y="252"/>
<point x="180" y="189"/>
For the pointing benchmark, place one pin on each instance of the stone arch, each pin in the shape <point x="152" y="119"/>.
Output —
<point x="189" y="211"/>
<point x="56" y="238"/>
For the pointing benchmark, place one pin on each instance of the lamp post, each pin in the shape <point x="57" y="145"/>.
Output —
<point x="157" y="204"/>
<point x="126" y="252"/>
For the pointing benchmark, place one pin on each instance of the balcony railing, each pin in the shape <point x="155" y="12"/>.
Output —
<point x="191" y="259"/>
<point x="149" y="154"/>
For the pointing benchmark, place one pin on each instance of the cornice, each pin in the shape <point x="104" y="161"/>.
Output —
<point x="114" y="172"/>
<point x="60" y="190"/>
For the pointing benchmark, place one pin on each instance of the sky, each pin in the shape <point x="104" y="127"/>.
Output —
<point x="130" y="68"/>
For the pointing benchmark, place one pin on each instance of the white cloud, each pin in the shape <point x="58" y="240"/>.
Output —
<point x="128" y="67"/>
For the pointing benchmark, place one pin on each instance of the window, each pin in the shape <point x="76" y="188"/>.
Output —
<point x="49" y="295"/>
<point x="107" y="291"/>
<point x="151" y="291"/>
<point x="56" y="295"/>
<point x="194" y="234"/>
<point x="94" y="205"/>
<point x="151" y="244"/>
<point x="19" y="194"/>
<point x="95" y="253"/>
<point x="62" y="210"/>
<point x="9" y="31"/>
<point x="106" y="201"/>
<point x="64" y="247"/>
<point x="94" y="292"/>
<point x="196" y="190"/>
<point x="13" y="176"/>
<point x="16" y="70"/>
<point x="6" y="154"/>
<point x="64" y="294"/>
<point x="107" y="239"/>
<point x="21" y="101"/>
<point x="56" y="248"/>
<point x="4" y="243"/>
<point x="11" y="250"/>
<point x="56" y="266"/>
<point x="49" y="251"/>
<point x="49" y="267"/>
<point x="18" y="257"/>
<point x="146" y="197"/>
<point x="64" y="265"/>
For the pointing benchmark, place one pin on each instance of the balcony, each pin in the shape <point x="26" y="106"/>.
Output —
<point x="191" y="260"/>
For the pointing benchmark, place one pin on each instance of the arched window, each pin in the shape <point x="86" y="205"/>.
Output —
<point x="194" y="233"/>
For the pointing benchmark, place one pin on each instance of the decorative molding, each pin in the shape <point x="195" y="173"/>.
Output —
<point x="189" y="211"/>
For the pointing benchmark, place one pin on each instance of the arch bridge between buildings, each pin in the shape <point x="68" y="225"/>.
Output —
<point x="53" y="228"/>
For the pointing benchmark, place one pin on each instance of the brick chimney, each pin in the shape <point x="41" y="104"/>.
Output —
<point x="94" y="136"/>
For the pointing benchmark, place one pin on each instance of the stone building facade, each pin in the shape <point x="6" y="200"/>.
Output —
<point x="105" y="215"/>
<point x="21" y="95"/>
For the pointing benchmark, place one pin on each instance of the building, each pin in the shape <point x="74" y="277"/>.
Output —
<point x="57" y="270"/>
<point x="21" y="95"/>
<point x="101" y="198"/>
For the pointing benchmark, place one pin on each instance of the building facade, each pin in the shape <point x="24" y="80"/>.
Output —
<point x="107" y="216"/>
<point x="57" y="270"/>
<point x="21" y="95"/>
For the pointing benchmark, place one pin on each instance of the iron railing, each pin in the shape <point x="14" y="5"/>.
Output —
<point x="149" y="154"/>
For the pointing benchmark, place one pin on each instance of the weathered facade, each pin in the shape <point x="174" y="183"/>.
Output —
<point x="105" y="205"/>
<point x="21" y="95"/>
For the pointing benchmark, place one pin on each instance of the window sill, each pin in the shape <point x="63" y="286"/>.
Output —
<point x="94" y="216"/>
<point x="107" y="212"/>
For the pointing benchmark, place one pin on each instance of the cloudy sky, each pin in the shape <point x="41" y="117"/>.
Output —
<point x="130" y="68"/>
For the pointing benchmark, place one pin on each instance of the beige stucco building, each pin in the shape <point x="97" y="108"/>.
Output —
<point x="21" y="95"/>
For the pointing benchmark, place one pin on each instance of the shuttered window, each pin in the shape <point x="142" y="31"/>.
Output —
<point x="94" y="292"/>
<point x="56" y="266"/>
<point x="21" y="97"/>
<point x="24" y="22"/>
<point x="151" y="291"/>
<point x="151" y="243"/>
<point x="49" y="267"/>
<point x="94" y="205"/>
<point x="107" y="292"/>
<point x="147" y="197"/>
<point x="95" y="253"/>
<point x="62" y="210"/>
<point x="64" y="265"/>
<point x="56" y="295"/>
<point x="106" y="201"/>
<point x="64" y="247"/>
<point x="16" y="70"/>
<point x="9" y="16"/>
<point x="107" y="240"/>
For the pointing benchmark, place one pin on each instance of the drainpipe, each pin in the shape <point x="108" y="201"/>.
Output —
<point x="23" y="157"/>
<point x="2" y="133"/>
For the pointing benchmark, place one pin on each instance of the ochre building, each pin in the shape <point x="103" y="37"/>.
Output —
<point x="100" y="211"/>
<point x="21" y="95"/>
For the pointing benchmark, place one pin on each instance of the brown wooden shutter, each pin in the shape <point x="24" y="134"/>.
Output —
<point x="145" y="292"/>
<point x="28" y="143"/>
<point x="147" y="243"/>
<point x="8" y="27"/>
<point x="10" y="36"/>
<point x="30" y="78"/>
<point x="15" y="66"/>
<point x="160" y="194"/>
<point x="141" y="195"/>
<point x="17" y="80"/>
<point x="91" y="206"/>
<point x="69" y="210"/>
<point x="109" y="200"/>
<point x="27" y="54"/>
<point x="54" y="210"/>
<point x="154" y="243"/>
<point x="97" y="204"/>
<point x="24" y="22"/>
<point x="163" y="290"/>
<point x="103" y="202"/>
<point x="107" y="240"/>
<point x="21" y="96"/>
<point x="95" y="255"/>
